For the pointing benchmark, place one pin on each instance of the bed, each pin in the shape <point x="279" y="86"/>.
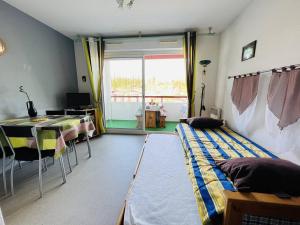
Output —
<point x="176" y="181"/>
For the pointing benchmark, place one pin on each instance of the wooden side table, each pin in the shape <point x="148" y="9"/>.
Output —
<point x="150" y="119"/>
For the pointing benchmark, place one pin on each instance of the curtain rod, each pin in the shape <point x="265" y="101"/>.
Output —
<point x="142" y="35"/>
<point x="78" y="38"/>
<point x="297" y="66"/>
<point x="135" y="36"/>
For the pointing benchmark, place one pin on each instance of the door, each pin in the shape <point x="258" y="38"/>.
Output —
<point x="124" y="93"/>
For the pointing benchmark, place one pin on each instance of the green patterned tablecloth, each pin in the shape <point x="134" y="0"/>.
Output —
<point x="53" y="131"/>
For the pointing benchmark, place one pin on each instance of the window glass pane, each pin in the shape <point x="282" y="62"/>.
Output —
<point x="125" y="77"/>
<point x="165" y="76"/>
<point x="122" y="83"/>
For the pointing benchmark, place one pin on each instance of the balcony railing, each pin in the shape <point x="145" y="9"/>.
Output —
<point x="148" y="98"/>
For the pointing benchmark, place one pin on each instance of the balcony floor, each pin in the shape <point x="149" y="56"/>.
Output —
<point x="131" y="124"/>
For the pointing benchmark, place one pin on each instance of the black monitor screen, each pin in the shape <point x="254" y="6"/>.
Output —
<point x="78" y="100"/>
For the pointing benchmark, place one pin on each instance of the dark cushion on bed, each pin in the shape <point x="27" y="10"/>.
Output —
<point x="263" y="175"/>
<point x="204" y="122"/>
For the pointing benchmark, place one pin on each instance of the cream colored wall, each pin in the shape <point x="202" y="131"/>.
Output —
<point x="275" y="24"/>
<point x="81" y="68"/>
<point x="207" y="48"/>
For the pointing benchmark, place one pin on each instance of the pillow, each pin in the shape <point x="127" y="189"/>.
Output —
<point x="204" y="122"/>
<point x="265" y="175"/>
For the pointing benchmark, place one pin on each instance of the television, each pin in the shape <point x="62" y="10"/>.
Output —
<point x="78" y="100"/>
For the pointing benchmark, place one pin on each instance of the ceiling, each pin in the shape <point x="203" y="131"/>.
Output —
<point x="80" y="17"/>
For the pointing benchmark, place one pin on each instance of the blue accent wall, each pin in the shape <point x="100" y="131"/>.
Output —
<point x="37" y="57"/>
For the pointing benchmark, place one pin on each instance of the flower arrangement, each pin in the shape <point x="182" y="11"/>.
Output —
<point x="21" y="89"/>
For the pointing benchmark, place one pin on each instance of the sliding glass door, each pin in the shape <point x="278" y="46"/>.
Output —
<point x="145" y="94"/>
<point x="144" y="84"/>
<point x="123" y="93"/>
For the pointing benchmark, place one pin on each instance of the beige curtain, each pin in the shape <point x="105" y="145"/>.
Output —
<point x="190" y="58"/>
<point x="94" y="55"/>
<point x="284" y="96"/>
<point x="244" y="91"/>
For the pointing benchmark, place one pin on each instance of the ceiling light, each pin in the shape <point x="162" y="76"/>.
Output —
<point x="209" y="33"/>
<point x="122" y="3"/>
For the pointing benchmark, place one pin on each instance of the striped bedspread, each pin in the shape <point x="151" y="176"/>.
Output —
<point x="202" y="148"/>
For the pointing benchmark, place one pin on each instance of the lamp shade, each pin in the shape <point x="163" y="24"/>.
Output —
<point x="2" y="47"/>
<point x="205" y="62"/>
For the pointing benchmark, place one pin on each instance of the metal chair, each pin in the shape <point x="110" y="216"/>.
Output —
<point x="59" y="112"/>
<point x="28" y="154"/>
<point x="71" y="143"/>
<point x="4" y="154"/>
<point x="81" y="113"/>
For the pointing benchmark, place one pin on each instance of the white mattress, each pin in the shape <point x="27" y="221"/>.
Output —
<point x="162" y="193"/>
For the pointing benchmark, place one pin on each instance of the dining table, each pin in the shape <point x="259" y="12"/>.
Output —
<point x="52" y="131"/>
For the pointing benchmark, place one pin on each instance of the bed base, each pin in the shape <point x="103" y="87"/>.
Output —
<point x="258" y="204"/>
<point x="120" y="220"/>
<point x="238" y="204"/>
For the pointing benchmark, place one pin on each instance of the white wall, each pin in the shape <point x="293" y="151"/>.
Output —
<point x="275" y="24"/>
<point x="207" y="48"/>
<point x="129" y="110"/>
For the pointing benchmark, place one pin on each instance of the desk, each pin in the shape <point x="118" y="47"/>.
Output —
<point x="53" y="131"/>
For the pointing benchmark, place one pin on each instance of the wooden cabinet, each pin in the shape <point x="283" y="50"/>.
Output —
<point x="153" y="119"/>
<point x="150" y="119"/>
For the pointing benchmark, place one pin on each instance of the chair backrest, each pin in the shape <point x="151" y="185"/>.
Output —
<point x="55" y="112"/>
<point x="76" y="112"/>
<point x="22" y="132"/>
<point x="19" y="131"/>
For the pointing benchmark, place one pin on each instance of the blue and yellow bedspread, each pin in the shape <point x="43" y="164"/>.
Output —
<point x="203" y="147"/>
